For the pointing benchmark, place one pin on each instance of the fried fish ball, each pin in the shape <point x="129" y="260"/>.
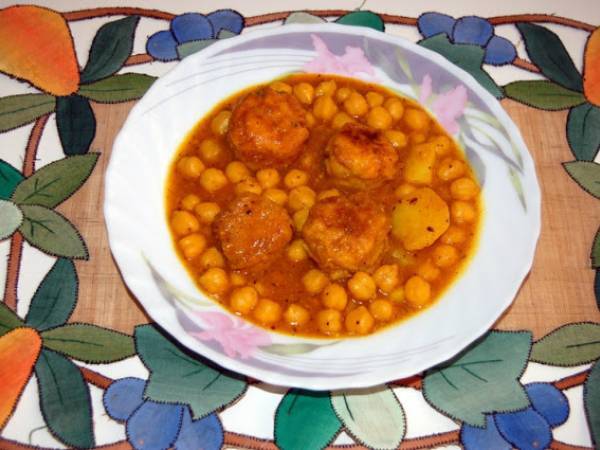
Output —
<point x="253" y="231"/>
<point x="360" y="157"/>
<point x="267" y="129"/>
<point x="346" y="232"/>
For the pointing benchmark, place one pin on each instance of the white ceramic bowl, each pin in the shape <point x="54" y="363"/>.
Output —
<point x="135" y="209"/>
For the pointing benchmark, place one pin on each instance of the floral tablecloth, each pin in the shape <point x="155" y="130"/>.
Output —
<point x="81" y="367"/>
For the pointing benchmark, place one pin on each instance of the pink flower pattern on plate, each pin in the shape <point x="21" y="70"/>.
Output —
<point x="235" y="336"/>
<point x="351" y="63"/>
<point x="447" y="107"/>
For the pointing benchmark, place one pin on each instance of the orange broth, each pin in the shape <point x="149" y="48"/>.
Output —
<point x="282" y="280"/>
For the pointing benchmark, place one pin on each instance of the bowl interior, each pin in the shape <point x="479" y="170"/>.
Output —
<point x="140" y="241"/>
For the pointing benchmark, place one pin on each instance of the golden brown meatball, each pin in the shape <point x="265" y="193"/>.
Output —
<point x="348" y="233"/>
<point x="268" y="128"/>
<point x="360" y="157"/>
<point x="253" y="231"/>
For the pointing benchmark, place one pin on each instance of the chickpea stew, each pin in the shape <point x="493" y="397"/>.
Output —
<point x="322" y="206"/>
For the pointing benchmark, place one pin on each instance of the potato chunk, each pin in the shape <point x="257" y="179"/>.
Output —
<point x="420" y="218"/>
<point x="419" y="164"/>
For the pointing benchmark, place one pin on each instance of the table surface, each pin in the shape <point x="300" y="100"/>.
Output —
<point x="57" y="401"/>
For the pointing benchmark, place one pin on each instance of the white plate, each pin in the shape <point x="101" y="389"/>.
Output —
<point x="135" y="209"/>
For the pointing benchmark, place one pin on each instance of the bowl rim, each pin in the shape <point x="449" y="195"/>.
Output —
<point x="374" y="376"/>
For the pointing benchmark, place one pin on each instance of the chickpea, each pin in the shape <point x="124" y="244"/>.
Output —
<point x="248" y="186"/>
<point x="338" y="274"/>
<point x="416" y="119"/>
<point x="184" y="222"/>
<point x="418" y="168"/>
<point x="450" y="169"/>
<point x="326" y="88"/>
<point x="386" y="277"/>
<point x="394" y="107"/>
<point x="334" y="297"/>
<point x="237" y="279"/>
<point x="243" y="300"/>
<point x="356" y="105"/>
<point x="296" y="251"/>
<point x="268" y="178"/>
<point x="324" y="108"/>
<point x="418" y="138"/>
<point x="301" y="197"/>
<point x="304" y="92"/>
<point x="403" y="189"/>
<point x="310" y="120"/>
<point x="220" y="124"/>
<point x="329" y="321"/>
<point x="296" y="315"/>
<point x="212" y="257"/>
<point x="295" y="178"/>
<point x="341" y="119"/>
<point x="190" y="166"/>
<point x="379" y="118"/>
<point x="189" y="202"/>
<point x="260" y="288"/>
<point x="464" y="189"/>
<point x="314" y="281"/>
<point x="211" y="151"/>
<point x="214" y="280"/>
<point x="381" y="310"/>
<point x="213" y="180"/>
<point x="207" y="211"/>
<point x="396" y="138"/>
<point x="342" y="94"/>
<point x="428" y="271"/>
<point x="417" y="291"/>
<point x="453" y="235"/>
<point x="362" y="286"/>
<point x="445" y="255"/>
<point x="237" y="171"/>
<point x="299" y="218"/>
<point x="397" y="295"/>
<point x="276" y="195"/>
<point x="441" y="144"/>
<point x="192" y="245"/>
<point x="374" y="99"/>
<point x="462" y="212"/>
<point x="280" y="86"/>
<point x="359" y="321"/>
<point x="267" y="311"/>
<point x="327" y="194"/>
